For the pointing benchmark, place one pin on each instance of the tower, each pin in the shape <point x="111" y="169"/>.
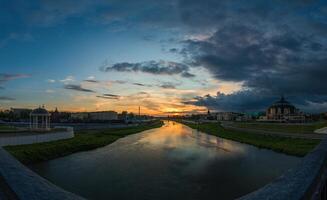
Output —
<point x="139" y="111"/>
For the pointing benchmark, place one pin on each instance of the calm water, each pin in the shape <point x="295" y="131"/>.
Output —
<point x="171" y="162"/>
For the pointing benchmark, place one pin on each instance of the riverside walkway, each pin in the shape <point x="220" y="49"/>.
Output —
<point x="230" y="126"/>
<point x="19" y="182"/>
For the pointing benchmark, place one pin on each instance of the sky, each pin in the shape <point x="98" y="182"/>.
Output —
<point x="169" y="57"/>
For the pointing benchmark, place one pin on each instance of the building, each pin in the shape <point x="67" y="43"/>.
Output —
<point x="95" y="116"/>
<point x="227" y="116"/>
<point x="40" y="119"/>
<point x="103" y="115"/>
<point x="20" y="113"/>
<point x="243" y="118"/>
<point x="80" y="116"/>
<point x="283" y="111"/>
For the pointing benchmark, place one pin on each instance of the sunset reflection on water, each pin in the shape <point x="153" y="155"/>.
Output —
<point x="172" y="162"/>
<point x="173" y="135"/>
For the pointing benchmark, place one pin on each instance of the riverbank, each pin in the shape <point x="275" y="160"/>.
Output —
<point x="278" y="127"/>
<point x="291" y="146"/>
<point x="83" y="141"/>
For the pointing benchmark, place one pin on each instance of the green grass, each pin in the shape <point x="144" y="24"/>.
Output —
<point x="286" y="128"/>
<point x="83" y="141"/>
<point x="4" y="128"/>
<point x="291" y="146"/>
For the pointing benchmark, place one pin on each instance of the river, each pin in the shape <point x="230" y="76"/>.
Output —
<point x="171" y="162"/>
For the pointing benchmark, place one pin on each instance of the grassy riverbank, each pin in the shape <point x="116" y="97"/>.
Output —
<point x="287" y="128"/>
<point x="291" y="146"/>
<point x="83" y="141"/>
<point x="4" y="128"/>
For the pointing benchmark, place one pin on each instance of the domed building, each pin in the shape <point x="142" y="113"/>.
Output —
<point x="40" y="119"/>
<point x="284" y="111"/>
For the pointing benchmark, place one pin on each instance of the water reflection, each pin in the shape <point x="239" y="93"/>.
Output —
<point x="171" y="162"/>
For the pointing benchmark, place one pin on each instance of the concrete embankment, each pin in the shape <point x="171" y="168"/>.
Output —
<point x="31" y="138"/>
<point x="19" y="182"/>
<point x="306" y="181"/>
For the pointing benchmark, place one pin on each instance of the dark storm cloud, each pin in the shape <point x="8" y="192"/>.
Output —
<point x="77" y="88"/>
<point x="277" y="55"/>
<point x="152" y="67"/>
<point x="247" y="100"/>
<point x="251" y="100"/>
<point x="272" y="47"/>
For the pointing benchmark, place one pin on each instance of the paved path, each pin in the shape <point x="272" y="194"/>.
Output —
<point x="229" y="126"/>
<point x="5" y="192"/>
<point x="321" y="130"/>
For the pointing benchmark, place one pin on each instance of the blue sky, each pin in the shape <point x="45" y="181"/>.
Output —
<point x="169" y="57"/>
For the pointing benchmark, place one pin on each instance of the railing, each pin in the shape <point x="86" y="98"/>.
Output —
<point x="306" y="181"/>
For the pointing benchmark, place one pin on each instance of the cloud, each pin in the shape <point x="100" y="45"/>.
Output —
<point x="142" y="84"/>
<point x="109" y="96"/>
<point x="51" y="81"/>
<point x="277" y="62"/>
<point x="7" y="77"/>
<point x="252" y="100"/>
<point x="139" y="95"/>
<point x="4" y="98"/>
<point x="91" y="81"/>
<point x="169" y="85"/>
<point x="271" y="47"/>
<point x="13" y="36"/>
<point x="246" y="100"/>
<point x="49" y="91"/>
<point x="77" y="88"/>
<point x="50" y="13"/>
<point x="152" y="67"/>
<point x="68" y="79"/>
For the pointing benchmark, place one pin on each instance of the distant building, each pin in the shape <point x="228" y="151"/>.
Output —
<point x="123" y="115"/>
<point x="96" y="116"/>
<point x="20" y="113"/>
<point x="243" y="118"/>
<point x="283" y="111"/>
<point x="210" y="116"/>
<point x="55" y="115"/>
<point x="227" y="116"/>
<point x="80" y="115"/>
<point x="103" y="116"/>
